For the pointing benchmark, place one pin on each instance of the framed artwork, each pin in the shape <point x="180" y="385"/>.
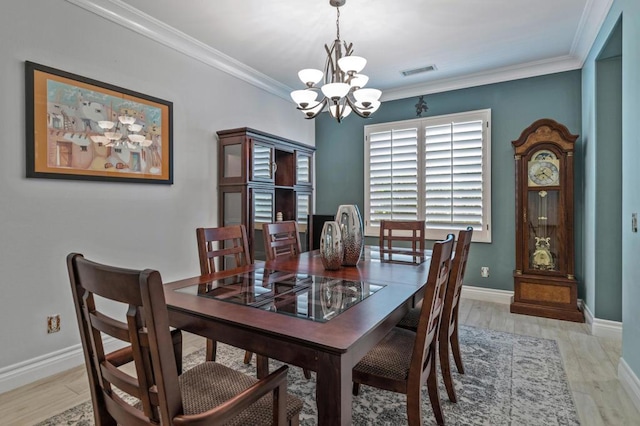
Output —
<point x="79" y="128"/>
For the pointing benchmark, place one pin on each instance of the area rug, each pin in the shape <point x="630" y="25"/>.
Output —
<point x="509" y="380"/>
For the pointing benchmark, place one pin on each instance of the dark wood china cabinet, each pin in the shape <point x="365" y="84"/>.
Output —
<point x="260" y="177"/>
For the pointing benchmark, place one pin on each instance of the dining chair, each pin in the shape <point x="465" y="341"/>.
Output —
<point x="403" y="232"/>
<point x="448" y="335"/>
<point x="404" y="360"/>
<point x="282" y="239"/>
<point x="208" y="393"/>
<point x="222" y="245"/>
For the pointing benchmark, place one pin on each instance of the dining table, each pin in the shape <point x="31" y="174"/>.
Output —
<point x="293" y="310"/>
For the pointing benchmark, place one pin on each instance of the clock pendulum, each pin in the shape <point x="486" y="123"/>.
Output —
<point x="542" y="258"/>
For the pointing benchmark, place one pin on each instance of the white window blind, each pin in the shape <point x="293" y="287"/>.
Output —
<point x="393" y="168"/>
<point x="453" y="175"/>
<point x="437" y="169"/>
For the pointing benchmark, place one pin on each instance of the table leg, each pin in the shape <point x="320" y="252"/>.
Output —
<point x="262" y="366"/>
<point x="333" y="389"/>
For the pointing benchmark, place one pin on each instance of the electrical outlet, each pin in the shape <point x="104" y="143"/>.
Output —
<point x="484" y="271"/>
<point x="53" y="323"/>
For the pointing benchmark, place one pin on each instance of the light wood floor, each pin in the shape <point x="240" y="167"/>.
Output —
<point x="591" y="364"/>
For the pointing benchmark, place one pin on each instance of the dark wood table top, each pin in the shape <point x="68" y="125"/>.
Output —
<point x="402" y="281"/>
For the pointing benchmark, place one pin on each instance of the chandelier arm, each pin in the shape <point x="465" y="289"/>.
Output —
<point x="355" y="109"/>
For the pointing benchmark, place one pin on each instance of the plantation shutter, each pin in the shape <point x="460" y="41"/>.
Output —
<point x="393" y="170"/>
<point x="453" y="175"/>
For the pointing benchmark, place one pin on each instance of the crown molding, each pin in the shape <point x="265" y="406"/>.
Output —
<point x="133" y="19"/>
<point x="594" y="14"/>
<point x="498" y="75"/>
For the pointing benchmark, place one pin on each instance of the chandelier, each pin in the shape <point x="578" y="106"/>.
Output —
<point x="343" y="86"/>
<point x="122" y="133"/>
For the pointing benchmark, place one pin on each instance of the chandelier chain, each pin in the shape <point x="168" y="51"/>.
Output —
<point x="338" y="23"/>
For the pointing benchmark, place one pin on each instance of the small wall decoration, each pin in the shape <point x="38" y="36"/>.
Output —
<point x="79" y="128"/>
<point x="421" y="106"/>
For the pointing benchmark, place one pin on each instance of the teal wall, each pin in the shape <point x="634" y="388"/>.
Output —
<point x="514" y="106"/>
<point x="608" y="190"/>
<point x="629" y="11"/>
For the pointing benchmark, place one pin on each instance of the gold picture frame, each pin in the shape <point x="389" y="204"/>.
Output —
<point x="84" y="129"/>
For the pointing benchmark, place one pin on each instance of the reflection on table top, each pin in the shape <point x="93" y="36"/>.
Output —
<point x="300" y="295"/>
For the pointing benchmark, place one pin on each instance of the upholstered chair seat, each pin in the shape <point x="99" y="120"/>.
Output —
<point x="210" y="384"/>
<point x="385" y="360"/>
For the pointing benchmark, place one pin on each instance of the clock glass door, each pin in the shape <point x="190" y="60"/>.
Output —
<point x="543" y="223"/>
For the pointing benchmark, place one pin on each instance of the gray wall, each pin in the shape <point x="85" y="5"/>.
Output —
<point x="514" y="106"/>
<point x="132" y="225"/>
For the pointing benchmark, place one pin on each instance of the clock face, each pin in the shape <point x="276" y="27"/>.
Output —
<point x="543" y="173"/>
<point x="544" y="155"/>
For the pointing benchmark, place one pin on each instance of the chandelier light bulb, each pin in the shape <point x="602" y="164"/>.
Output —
<point x="352" y="64"/>
<point x="304" y="98"/>
<point x="358" y="80"/>
<point x="343" y="109"/>
<point x="335" y="91"/>
<point x="310" y="76"/>
<point x="367" y="96"/>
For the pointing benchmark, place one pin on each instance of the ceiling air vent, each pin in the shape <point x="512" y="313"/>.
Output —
<point x="415" y="71"/>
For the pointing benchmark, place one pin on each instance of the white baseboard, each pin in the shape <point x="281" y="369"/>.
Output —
<point x="486" y="294"/>
<point x="630" y="382"/>
<point x="31" y="370"/>
<point x="588" y="315"/>
<point x="602" y="327"/>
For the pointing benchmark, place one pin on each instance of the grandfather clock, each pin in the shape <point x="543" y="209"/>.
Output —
<point x="544" y="281"/>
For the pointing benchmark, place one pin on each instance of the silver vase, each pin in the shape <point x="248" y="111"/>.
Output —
<point x="331" y="250"/>
<point x="350" y="221"/>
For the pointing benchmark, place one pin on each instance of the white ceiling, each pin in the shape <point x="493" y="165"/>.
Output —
<point x="471" y="42"/>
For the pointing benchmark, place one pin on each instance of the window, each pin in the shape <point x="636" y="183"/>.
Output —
<point x="437" y="169"/>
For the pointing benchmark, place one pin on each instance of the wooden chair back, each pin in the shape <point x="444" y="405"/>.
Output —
<point x="403" y="232"/>
<point x="221" y="245"/>
<point x="281" y="239"/>
<point x="459" y="265"/>
<point x="425" y="349"/>
<point x="145" y="328"/>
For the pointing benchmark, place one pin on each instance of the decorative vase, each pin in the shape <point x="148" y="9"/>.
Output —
<point x="350" y="221"/>
<point x="331" y="250"/>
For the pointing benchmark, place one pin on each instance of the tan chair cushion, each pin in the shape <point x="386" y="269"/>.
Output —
<point x="391" y="358"/>
<point x="410" y="320"/>
<point x="210" y="384"/>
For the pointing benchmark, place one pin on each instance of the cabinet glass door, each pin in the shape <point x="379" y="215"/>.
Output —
<point x="262" y="212"/>
<point x="232" y="161"/>
<point x="262" y="162"/>
<point x="303" y="209"/>
<point x="303" y="169"/>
